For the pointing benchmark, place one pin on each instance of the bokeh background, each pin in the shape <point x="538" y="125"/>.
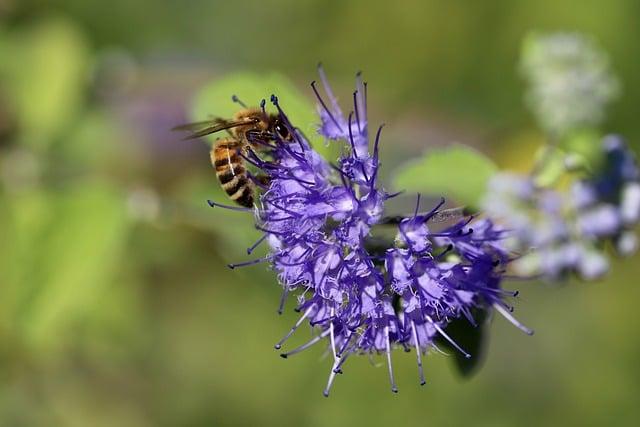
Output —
<point x="116" y="306"/>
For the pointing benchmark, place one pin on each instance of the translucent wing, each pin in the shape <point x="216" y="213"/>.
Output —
<point x="207" y="127"/>
<point x="196" y="125"/>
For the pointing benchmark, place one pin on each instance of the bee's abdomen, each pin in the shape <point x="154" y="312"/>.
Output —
<point x="232" y="174"/>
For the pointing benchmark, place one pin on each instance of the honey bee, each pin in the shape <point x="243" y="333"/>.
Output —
<point x="249" y="129"/>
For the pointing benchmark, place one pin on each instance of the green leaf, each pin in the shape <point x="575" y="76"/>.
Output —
<point x="235" y="230"/>
<point x="472" y="339"/>
<point x="587" y="144"/>
<point x="551" y="161"/>
<point x="214" y="100"/>
<point x="45" y="67"/>
<point x="71" y="260"/>
<point x="456" y="172"/>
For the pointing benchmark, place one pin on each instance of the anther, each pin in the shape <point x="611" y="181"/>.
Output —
<point x="512" y="319"/>
<point x="233" y="208"/>
<point x="235" y="99"/>
<point x="293" y="329"/>
<point x="448" y="338"/>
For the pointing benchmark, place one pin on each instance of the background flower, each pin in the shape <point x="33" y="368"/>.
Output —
<point x="570" y="82"/>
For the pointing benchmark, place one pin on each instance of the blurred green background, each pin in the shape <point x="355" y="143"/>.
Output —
<point x="116" y="307"/>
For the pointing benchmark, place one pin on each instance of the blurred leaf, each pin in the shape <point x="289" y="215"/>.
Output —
<point x="473" y="339"/>
<point x="93" y="140"/>
<point x="24" y="218"/>
<point x="588" y="145"/>
<point x="552" y="165"/>
<point x="45" y="67"/>
<point x="236" y="230"/>
<point x="72" y="259"/>
<point x="457" y="172"/>
<point x="214" y="100"/>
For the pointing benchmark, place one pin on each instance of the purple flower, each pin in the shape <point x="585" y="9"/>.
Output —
<point x="559" y="233"/>
<point x="317" y="218"/>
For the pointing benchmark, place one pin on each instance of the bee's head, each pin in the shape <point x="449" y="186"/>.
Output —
<point x="256" y="121"/>
<point x="279" y="129"/>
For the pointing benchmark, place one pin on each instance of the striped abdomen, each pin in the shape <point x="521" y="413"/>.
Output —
<point x="231" y="172"/>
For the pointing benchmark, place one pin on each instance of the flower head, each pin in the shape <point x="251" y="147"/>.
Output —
<point x="318" y="219"/>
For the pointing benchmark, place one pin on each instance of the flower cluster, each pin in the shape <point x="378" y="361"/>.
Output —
<point x="559" y="233"/>
<point x="570" y="81"/>
<point x="317" y="218"/>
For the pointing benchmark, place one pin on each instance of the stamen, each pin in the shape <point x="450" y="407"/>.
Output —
<point x="233" y="208"/>
<point x="376" y="144"/>
<point x="396" y="194"/>
<point x="439" y="350"/>
<point x="498" y="291"/>
<point x="333" y="119"/>
<point x="343" y="358"/>
<point x="345" y="184"/>
<point x="235" y="99"/>
<point x="327" y="89"/>
<point x="255" y="245"/>
<point x="375" y="155"/>
<point x="247" y="263"/>
<point x="389" y="367"/>
<point x="415" y="212"/>
<point x="297" y="263"/>
<point x="293" y="329"/>
<point x="283" y="299"/>
<point x="286" y="218"/>
<point x="529" y="278"/>
<point x="286" y="210"/>
<point x="332" y="336"/>
<point x="275" y="233"/>
<point x="285" y="120"/>
<point x="447" y="337"/>
<point x="364" y="101"/>
<point x="344" y="345"/>
<point x="297" y="156"/>
<point x="351" y="141"/>
<point x="362" y="90"/>
<point x="418" y="352"/>
<point x="448" y="249"/>
<point x="332" y="376"/>
<point x="305" y="345"/>
<point x="512" y="319"/>
<point x="435" y="210"/>
<point x="355" y="107"/>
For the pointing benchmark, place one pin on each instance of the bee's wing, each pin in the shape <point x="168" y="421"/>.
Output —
<point x="208" y="127"/>
<point x="195" y="125"/>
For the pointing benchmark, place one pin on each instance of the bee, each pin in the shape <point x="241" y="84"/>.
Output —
<point x="248" y="129"/>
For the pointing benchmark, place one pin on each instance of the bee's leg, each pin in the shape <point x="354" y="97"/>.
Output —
<point x="260" y="139"/>
<point x="262" y="180"/>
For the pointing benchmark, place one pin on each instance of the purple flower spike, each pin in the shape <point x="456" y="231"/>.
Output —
<point x="317" y="219"/>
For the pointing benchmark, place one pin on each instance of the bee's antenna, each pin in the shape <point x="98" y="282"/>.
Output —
<point x="235" y="99"/>
<point x="262" y="104"/>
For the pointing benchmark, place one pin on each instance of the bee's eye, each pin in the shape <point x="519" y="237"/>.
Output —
<point x="281" y="130"/>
